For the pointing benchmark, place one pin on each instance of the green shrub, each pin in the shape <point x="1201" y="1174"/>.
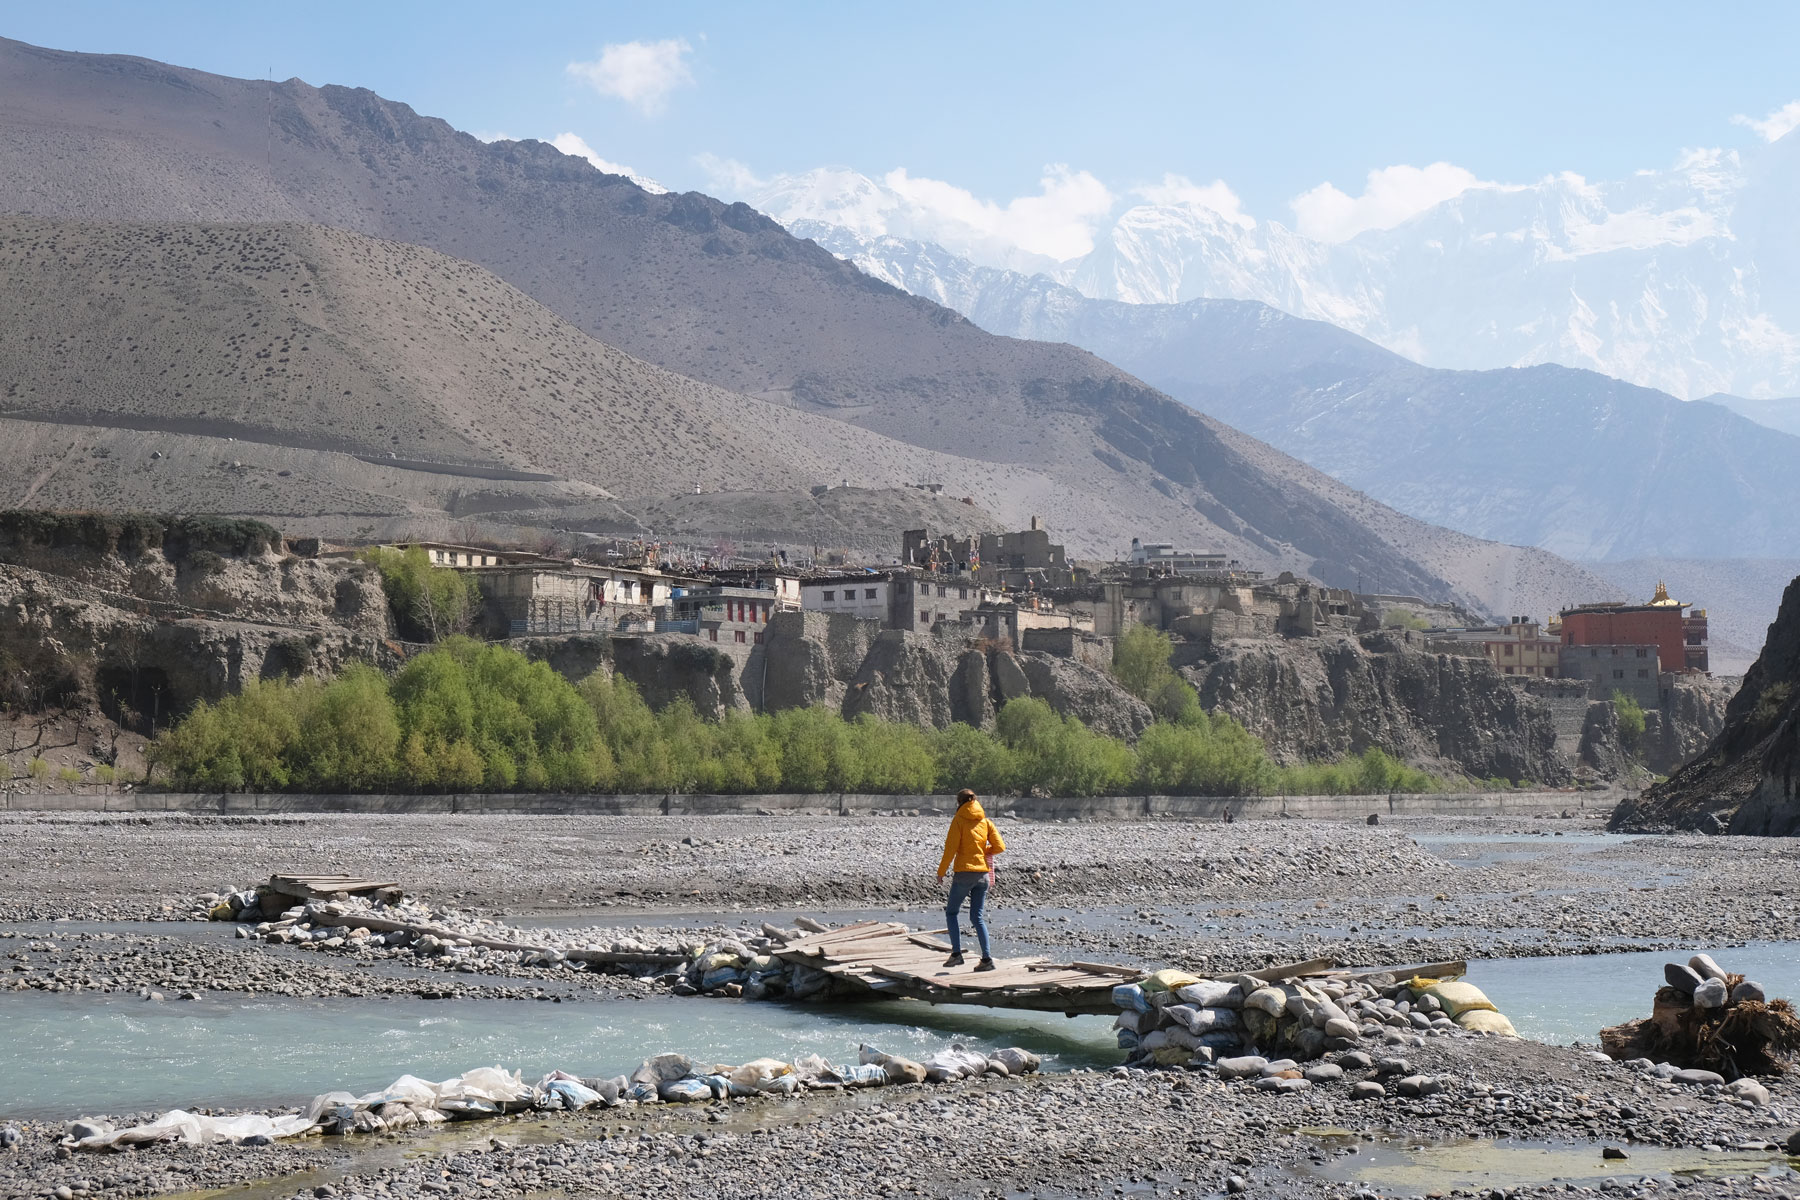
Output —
<point x="429" y="603"/>
<point x="468" y="716"/>
<point x="1210" y="756"/>
<point x="37" y="768"/>
<point x="1631" y="721"/>
<point x="1402" y="618"/>
<point x="1060" y="755"/>
<point x="1141" y="661"/>
<point x="69" y="774"/>
<point x="104" y="773"/>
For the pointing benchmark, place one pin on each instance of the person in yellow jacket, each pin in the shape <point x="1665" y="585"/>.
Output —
<point x="969" y="848"/>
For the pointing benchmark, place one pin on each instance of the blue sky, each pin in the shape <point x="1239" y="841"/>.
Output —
<point x="1274" y="99"/>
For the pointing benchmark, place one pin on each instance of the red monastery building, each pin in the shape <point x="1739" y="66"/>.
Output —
<point x="1678" y="636"/>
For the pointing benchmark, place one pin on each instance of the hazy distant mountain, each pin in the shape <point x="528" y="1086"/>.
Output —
<point x="712" y="291"/>
<point x="1686" y="279"/>
<point x="1570" y="461"/>
<point x="1781" y="412"/>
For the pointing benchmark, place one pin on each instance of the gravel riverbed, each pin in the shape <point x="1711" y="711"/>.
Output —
<point x="1213" y="897"/>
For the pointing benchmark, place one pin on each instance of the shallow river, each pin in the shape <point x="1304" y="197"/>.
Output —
<point x="67" y="1055"/>
<point x="1570" y="999"/>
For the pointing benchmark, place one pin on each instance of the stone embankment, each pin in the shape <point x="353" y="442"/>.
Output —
<point x="846" y="804"/>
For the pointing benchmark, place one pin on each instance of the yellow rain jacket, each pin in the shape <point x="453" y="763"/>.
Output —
<point x="972" y="841"/>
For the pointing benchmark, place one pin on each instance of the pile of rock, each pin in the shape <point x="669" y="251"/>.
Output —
<point x="1708" y="1025"/>
<point x="410" y="1102"/>
<point x="1173" y="1019"/>
<point x="739" y="964"/>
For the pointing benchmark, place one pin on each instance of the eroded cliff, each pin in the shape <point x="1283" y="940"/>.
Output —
<point x="1745" y="779"/>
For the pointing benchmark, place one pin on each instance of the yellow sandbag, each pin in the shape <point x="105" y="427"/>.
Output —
<point x="1172" y="1056"/>
<point x="1168" y="980"/>
<point x="1487" y="1020"/>
<point x="1459" y="997"/>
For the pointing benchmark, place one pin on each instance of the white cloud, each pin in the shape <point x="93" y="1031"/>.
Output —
<point x="1178" y="191"/>
<point x="1776" y="125"/>
<point x="640" y="73"/>
<point x="573" y="144"/>
<point x="1391" y="195"/>
<point x="1026" y="232"/>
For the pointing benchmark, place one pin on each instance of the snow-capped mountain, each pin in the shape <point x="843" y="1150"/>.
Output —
<point x="1685" y="279"/>
<point x="1564" y="459"/>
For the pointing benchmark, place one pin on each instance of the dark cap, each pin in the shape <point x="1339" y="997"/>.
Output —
<point x="964" y="796"/>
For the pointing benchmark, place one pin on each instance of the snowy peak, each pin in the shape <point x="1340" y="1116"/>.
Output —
<point x="1686" y="279"/>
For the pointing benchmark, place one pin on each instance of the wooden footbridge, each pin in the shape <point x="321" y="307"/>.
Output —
<point x="890" y="959"/>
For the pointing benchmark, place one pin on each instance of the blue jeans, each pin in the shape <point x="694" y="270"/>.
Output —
<point x="973" y="886"/>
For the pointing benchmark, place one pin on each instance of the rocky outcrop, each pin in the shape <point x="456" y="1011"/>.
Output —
<point x="145" y="661"/>
<point x="925" y="679"/>
<point x="1319" y="699"/>
<point x="1691" y="716"/>
<point x="1747" y="779"/>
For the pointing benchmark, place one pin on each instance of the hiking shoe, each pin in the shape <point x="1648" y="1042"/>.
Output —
<point x="955" y="960"/>
<point x="986" y="964"/>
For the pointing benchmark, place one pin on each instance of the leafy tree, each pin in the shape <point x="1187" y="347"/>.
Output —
<point x="1403" y="618"/>
<point x="350" y="734"/>
<point x="429" y="603"/>
<point x="967" y="757"/>
<point x="1141" y="660"/>
<point x="1631" y="721"/>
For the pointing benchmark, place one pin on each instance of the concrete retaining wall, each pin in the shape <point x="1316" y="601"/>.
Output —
<point x="1085" y="808"/>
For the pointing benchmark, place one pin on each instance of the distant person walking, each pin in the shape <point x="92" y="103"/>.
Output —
<point x="970" y="848"/>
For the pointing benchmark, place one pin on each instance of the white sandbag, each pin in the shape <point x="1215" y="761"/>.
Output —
<point x="956" y="1062"/>
<point x="760" y="1069"/>
<point x="1136" y="1022"/>
<point x="1212" y="993"/>
<point x="1018" y="1060"/>
<point x="196" y="1130"/>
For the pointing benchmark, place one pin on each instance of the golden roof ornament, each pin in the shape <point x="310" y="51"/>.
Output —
<point x="1661" y="599"/>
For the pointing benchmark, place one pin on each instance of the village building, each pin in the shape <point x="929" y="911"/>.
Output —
<point x="721" y="613"/>
<point x="1519" y="646"/>
<point x="1634" y="670"/>
<point x="449" y="554"/>
<point x="1023" y="560"/>
<point x="1680" y="638"/>
<point x="898" y="597"/>
<point x="1163" y="558"/>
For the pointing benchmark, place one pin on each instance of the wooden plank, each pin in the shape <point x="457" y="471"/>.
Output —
<point x="1435" y="970"/>
<point x="1312" y="966"/>
<point x="1107" y="969"/>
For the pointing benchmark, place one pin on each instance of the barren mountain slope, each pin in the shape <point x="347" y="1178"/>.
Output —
<point x="321" y="339"/>
<point x="713" y="291"/>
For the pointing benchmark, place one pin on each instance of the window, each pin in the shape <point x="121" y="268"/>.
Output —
<point x="1595" y="653"/>
<point x="1509" y="670"/>
<point x="1618" y="674"/>
<point x="759" y="637"/>
<point x="713" y="634"/>
<point x="1643" y="673"/>
<point x="924" y="618"/>
<point x="830" y="596"/>
<point x="868" y="593"/>
<point x="942" y="591"/>
<point x="962" y="593"/>
<point x="1509" y="651"/>
<point x="740" y="635"/>
<point x="1642" y="652"/>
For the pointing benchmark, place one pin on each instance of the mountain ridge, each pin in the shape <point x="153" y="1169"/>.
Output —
<point x="712" y="291"/>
